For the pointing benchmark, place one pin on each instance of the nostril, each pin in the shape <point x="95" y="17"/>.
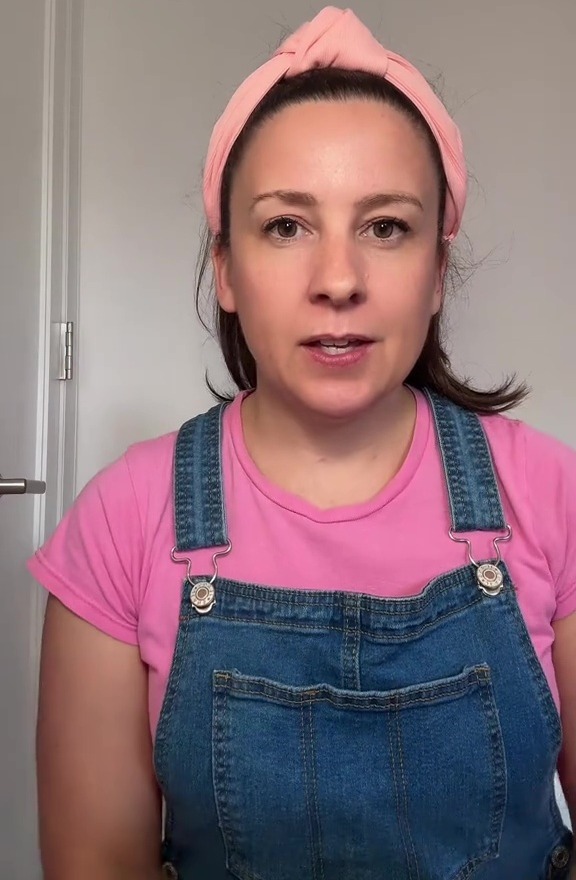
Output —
<point x="339" y="300"/>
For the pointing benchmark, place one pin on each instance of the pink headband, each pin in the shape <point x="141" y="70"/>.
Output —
<point x="337" y="38"/>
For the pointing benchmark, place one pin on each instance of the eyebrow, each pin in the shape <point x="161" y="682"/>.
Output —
<point x="307" y="200"/>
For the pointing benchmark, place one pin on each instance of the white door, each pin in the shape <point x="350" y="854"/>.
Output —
<point x="37" y="207"/>
<point x="21" y="101"/>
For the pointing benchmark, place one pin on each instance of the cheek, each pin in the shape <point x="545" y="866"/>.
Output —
<point x="410" y="291"/>
<point x="264" y="311"/>
<point x="265" y="290"/>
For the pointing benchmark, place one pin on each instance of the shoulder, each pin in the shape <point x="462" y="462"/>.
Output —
<point x="143" y="475"/>
<point x="538" y="476"/>
<point x="148" y="465"/>
<point x="519" y="447"/>
<point x="93" y="562"/>
<point x="115" y="512"/>
<point x="130" y="483"/>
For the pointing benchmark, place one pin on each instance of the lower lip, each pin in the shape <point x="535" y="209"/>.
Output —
<point x="346" y="359"/>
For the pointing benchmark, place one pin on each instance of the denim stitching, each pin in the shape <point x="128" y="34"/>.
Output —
<point x="213" y="484"/>
<point x="468" y="466"/>
<point x="344" y="656"/>
<point x="449" y="587"/>
<point x="307" y="786"/>
<point x="468" y="869"/>
<point x="233" y="680"/>
<point x="443" y="453"/>
<point x="370" y="604"/>
<point x="358" y="682"/>
<point x="199" y="510"/>
<point x="421" y="694"/>
<point x="318" y="857"/>
<point x="221" y="772"/>
<point x="348" y="703"/>
<point x="222" y="511"/>
<point x="380" y="637"/>
<point x="499" y="771"/>
<point x="499" y="782"/>
<point x="352" y="625"/>
<point x="350" y="670"/>
<point x="230" y="834"/>
<point x="393" y="746"/>
<point x="544" y="695"/>
<point x="543" y="691"/>
<point x="405" y="792"/>
<point x="241" y="871"/>
<point x="336" y="598"/>
<point x="208" y="454"/>
<point x="453" y="477"/>
<point x="168" y="707"/>
<point x="417" y="631"/>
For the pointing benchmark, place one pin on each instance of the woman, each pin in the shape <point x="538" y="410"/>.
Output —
<point x="331" y="605"/>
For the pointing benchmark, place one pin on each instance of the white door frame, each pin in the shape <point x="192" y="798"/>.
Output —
<point x="59" y="288"/>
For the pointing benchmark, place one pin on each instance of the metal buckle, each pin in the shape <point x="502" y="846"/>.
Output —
<point x="202" y="593"/>
<point x="489" y="576"/>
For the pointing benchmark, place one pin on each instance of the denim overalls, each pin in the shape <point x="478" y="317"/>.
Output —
<point x="327" y="735"/>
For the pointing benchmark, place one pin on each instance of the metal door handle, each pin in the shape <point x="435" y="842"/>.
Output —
<point x="21" y="487"/>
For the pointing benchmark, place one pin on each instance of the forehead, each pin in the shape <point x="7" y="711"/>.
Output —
<point x="350" y="145"/>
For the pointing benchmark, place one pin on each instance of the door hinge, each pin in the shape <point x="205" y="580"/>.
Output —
<point x="66" y="350"/>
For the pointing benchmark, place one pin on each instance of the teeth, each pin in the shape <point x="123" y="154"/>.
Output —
<point x="335" y="349"/>
<point x="345" y="343"/>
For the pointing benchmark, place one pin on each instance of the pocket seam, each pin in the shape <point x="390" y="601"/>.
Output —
<point x="239" y="686"/>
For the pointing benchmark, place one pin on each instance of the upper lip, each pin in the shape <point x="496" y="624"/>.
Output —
<point x="330" y="337"/>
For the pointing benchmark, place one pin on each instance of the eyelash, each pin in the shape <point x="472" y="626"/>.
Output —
<point x="394" y="221"/>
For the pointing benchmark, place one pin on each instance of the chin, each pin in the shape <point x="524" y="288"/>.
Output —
<point x="343" y="404"/>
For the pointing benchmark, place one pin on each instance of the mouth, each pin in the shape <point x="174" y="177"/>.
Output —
<point x="337" y="345"/>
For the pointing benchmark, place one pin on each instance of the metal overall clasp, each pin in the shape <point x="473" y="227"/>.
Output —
<point x="202" y="593"/>
<point x="488" y="574"/>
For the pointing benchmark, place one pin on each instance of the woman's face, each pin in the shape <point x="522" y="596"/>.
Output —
<point x="333" y="265"/>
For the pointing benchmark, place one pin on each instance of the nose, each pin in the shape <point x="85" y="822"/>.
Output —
<point x="337" y="278"/>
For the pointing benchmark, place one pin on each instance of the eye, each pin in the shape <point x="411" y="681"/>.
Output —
<point x="283" y="227"/>
<point x="386" y="229"/>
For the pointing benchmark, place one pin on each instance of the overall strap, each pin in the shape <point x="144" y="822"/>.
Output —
<point x="473" y="492"/>
<point x="200" y="515"/>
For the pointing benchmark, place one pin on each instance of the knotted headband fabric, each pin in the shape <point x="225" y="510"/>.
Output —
<point x="337" y="38"/>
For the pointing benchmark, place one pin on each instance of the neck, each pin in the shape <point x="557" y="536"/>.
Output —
<point x="330" y="462"/>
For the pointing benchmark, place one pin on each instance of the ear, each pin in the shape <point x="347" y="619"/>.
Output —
<point x="222" y="279"/>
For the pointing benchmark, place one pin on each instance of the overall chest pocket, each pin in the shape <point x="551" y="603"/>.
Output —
<point x="333" y="784"/>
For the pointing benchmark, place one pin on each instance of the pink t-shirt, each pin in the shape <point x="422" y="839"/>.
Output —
<point x="109" y="559"/>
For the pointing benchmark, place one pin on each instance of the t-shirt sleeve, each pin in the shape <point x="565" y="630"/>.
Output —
<point x="551" y="481"/>
<point x="92" y="562"/>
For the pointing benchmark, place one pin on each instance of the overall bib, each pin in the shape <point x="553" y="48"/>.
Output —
<point x="332" y="735"/>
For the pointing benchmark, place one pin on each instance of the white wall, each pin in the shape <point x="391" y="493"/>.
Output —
<point x="157" y="75"/>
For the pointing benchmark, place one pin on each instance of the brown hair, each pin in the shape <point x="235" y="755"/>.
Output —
<point x="432" y="369"/>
